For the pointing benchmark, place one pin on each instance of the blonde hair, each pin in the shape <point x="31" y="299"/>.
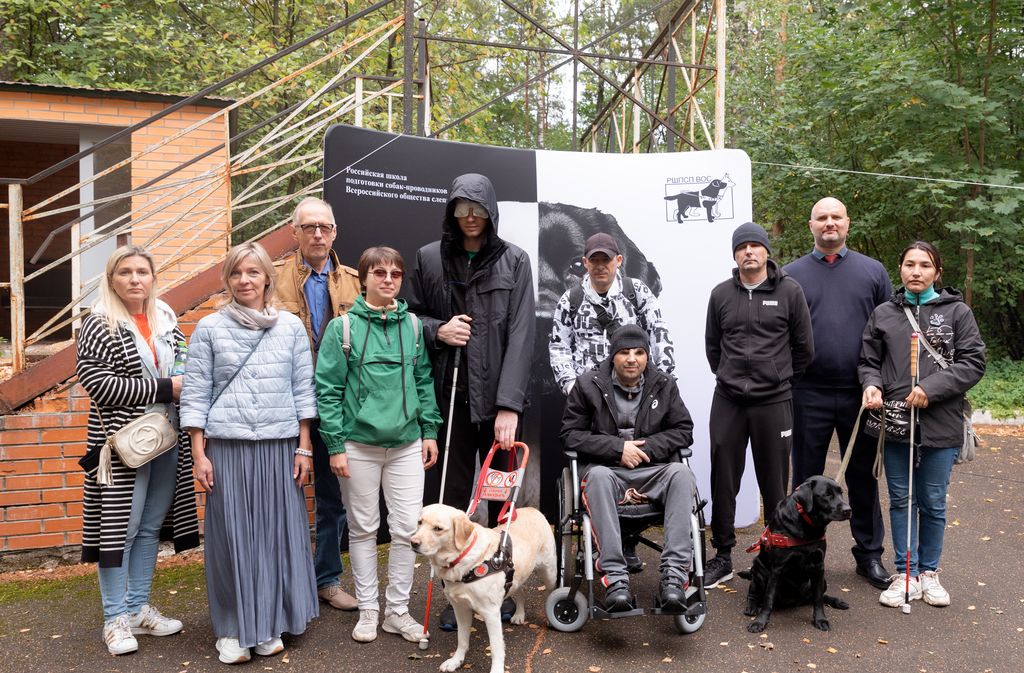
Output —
<point x="309" y="201"/>
<point x="235" y="257"/>
<point x="114" y="311"/>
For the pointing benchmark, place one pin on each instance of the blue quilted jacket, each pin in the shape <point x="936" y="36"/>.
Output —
<point x="267" y="399"/>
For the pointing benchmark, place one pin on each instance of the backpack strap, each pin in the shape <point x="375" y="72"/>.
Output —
<point x="346" y="334"/>
<point x="629" y="289"/>
<point x="415" y="335"/>
<point x="575" y="300"/>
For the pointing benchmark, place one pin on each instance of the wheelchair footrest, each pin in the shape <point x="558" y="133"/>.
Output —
<point x="600" y="613"/>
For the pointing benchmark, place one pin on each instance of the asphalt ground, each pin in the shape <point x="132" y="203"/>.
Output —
<point x="54" y="624"/>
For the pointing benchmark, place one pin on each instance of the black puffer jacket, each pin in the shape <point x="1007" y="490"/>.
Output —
<point x="758" y="341"/>
<point x="499" y="298"/>
<point x="950" y="328"/>
<point x="589" y="427"/>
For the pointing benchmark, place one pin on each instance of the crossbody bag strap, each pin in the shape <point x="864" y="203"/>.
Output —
<point x="237" y="371"/>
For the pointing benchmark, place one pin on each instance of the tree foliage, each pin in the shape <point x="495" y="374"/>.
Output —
<point x="931" y="88"/>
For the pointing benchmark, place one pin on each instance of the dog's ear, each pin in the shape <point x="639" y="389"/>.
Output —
<point x="463" y="530"/>
<point x="804" y="495"/>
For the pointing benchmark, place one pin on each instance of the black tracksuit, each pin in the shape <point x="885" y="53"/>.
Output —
<point x="757" y="342"/>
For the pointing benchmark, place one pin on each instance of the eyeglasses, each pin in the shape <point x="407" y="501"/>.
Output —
<point x="465" y="209"/>
<point x="312" y="228"/>
<point x="382" y="274"/>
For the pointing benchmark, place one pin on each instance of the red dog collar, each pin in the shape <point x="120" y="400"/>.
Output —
<point x="472" y="541"/>
<point x="770" y="540"/>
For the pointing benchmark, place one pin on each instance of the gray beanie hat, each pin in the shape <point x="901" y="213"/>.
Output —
<point x="630" y="336"/>
<point x="749" y="232"/>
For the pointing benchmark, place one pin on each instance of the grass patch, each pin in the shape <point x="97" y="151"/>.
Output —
<point x="1001" y="391"/>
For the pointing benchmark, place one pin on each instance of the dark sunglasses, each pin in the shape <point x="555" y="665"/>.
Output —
<point x="382" y="274"/>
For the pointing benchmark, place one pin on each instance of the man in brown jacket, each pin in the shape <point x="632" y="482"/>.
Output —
<point x="315" y="286"/>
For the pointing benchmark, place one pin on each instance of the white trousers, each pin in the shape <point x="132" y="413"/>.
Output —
<point x="398" y="472"/>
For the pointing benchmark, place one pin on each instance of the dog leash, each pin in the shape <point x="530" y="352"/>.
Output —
<point x="876" y="468"/>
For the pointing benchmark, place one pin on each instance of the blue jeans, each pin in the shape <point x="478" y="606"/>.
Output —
<point x="330" y="515"/>
<point x="928" y="513"/>
<point x="125" y="589"/>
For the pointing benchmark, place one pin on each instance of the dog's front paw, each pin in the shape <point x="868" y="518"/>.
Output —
<point x="756" y="626"/>
<point x="822" y="624"/>
<point x="451" y="664"/>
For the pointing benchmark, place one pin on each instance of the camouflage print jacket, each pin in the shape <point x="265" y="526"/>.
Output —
<point x="578" y="343"/>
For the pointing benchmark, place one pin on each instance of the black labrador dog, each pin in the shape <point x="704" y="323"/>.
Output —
<point x="789" y="570"/>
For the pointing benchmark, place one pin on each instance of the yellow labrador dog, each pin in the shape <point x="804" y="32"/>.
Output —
<point x="460" y="549"/>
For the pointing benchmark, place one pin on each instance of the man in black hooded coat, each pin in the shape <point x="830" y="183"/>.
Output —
<point x="474" y="294"/>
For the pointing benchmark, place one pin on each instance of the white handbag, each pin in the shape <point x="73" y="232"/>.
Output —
<point x="138" y="442"/>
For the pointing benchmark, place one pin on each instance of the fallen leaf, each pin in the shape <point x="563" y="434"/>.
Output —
<point x="883" y="641"/>
<point x="594" y="669"/>
<point x="533" y="626"/>
<point x="986" y="538"/>
<point x="812" y="666"/>
<point x="981" y="584"/>
<point x="805" y="640"/>
<point x="284" y="659"/>
<point x="546" y="650"/>
<point x="415" y="656"/>
<point x="769" y="646"/>
<point x="667" y="660"/>
<point x="173" y="591"/>
<point x="831" y="650"/>
<point x="56" y="635"/>
<point x="24" y="630"/>
<point x="724" y="643"/>
<point x="846" y="590"/>
<point x="970" y="607"/>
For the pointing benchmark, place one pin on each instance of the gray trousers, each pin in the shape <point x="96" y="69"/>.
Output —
<point x="670" y="485"/>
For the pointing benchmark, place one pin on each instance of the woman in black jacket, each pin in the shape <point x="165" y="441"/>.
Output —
<point x="128" y="351"/>
<point x="949" y="327"/>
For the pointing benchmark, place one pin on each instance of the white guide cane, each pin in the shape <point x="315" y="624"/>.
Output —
<point x="425" y="640"/>
<point x="914" y="353"/>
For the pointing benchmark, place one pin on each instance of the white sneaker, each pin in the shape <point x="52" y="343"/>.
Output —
<point x="894" y="595"/>
<point x="269" y="648"/>
<point x="932" y="591"/>
<point x="118" y="636"/>
<point x="404" y="625"/>
<point x="231" y="652"/>
<point x="149" y="621"/>
<point x="365" y="630"/>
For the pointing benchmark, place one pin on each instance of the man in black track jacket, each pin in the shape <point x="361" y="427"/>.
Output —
<point x="758" y="340"/>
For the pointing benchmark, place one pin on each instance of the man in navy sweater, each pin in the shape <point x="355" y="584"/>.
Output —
<point x="842" y="288"/>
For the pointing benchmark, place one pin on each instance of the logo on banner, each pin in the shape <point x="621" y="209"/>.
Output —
<point x="699" y="199"/>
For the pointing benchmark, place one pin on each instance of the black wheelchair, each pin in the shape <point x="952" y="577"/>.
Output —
<point x="570" y="605"/>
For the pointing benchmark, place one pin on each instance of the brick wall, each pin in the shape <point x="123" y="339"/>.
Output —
<point x="194" y="228"/>
<point x="40" y="480"/>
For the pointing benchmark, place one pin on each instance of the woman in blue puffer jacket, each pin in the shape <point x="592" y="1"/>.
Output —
<point x="248" y="403"/>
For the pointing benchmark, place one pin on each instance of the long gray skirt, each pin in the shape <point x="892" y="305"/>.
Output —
<point x="259" y="569"/>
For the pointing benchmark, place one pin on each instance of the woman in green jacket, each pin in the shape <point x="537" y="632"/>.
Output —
<point x="379" y="420"/>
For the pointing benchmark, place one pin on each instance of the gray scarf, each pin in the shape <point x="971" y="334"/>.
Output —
<point x="250" y="318"/>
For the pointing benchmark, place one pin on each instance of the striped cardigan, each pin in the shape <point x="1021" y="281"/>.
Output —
<point x="110" y="369"/>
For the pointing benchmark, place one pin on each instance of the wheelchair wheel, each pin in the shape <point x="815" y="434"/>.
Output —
<point x="566" y="615"/>
<point x="685" y="624"/>
<point x="689" y="624"/>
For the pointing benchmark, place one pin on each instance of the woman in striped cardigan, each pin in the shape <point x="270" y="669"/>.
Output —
<point x="127" y="348"/>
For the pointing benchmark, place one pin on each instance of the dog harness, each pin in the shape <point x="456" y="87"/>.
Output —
<point x="770" y="540"/>
<point x="500" y="562"/>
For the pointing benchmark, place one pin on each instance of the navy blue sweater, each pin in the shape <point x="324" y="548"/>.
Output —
<point x="841" y="297"/>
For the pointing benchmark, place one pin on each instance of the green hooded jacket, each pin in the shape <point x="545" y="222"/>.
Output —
<point x="381" y="393"/>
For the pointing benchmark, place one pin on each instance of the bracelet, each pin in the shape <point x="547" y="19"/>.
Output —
<point x="303" y="452"/>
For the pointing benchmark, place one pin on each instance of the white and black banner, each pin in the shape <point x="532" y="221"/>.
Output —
<point x="673" y="215"/>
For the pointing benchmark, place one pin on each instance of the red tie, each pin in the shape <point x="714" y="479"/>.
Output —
<point x="830" y="259"/>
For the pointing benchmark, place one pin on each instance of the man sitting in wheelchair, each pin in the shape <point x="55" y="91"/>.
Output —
<point x="628" y="424"/>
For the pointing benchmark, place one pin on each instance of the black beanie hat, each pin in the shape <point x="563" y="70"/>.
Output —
<point x="749" y="232"/>
<point x="630" y="336"/>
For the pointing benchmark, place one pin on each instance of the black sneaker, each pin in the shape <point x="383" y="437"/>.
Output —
<point x="618" y="597"/>
<point x="672" y="597"/>
<point x="718" y="569"/>
<point x="447" y="620"/>
<point x="508" y="608"/>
